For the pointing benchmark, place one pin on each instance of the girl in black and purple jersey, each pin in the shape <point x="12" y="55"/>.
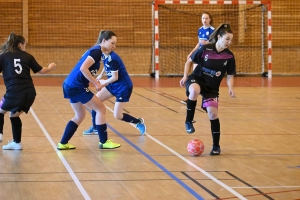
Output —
<point x="214" y="61"/>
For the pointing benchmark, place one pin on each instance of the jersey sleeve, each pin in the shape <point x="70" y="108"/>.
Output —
<point x="196" y="56"/>
<point x="114" y="66"/>
<point x="34" y="65"/>
<point x="231" y="67"/>
<point x="96" y="55"/>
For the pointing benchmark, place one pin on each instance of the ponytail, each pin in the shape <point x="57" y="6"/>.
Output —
<point x="12" y="43"/>
<point x="221" y="30"/>
<point x="104" y="35"/>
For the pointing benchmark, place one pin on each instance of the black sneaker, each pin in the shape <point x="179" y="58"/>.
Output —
<point x="215" y="150"/>
<point x="189" y="127"/>
<point x="184" y="101"/>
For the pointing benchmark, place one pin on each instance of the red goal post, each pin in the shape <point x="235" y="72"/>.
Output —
<point x="267" y="3"/>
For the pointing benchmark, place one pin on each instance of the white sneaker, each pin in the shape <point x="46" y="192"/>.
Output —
<point x="13" y="146"/>
<point x="1" y="135"/>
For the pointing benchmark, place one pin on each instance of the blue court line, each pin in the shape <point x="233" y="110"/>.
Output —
<point x="158" y="165"/>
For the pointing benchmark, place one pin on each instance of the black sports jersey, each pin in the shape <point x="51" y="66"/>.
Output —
<point x="15" y="67"/>
<point x="212" y="66"/>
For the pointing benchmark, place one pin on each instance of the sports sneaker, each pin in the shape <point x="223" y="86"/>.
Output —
<point x="189" y="127"/>
<point x="184" y="101"/>
<point x="1" y="135"/>
<point x="13" y="146"/>
<point x="215" y="150"/>
<point x="141" y="126"/>
<point x="67" y="146"/>
<point x="90" y="131"/>
<point x="109" y="144"/>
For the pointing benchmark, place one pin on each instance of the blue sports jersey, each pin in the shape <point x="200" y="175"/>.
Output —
<point x="204" y="33"/>
<point x="76" y="77"/>
<point x="113" y="63"/>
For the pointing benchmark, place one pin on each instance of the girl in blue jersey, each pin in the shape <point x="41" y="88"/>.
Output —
<point x="75" y="88"/>
<point x="15" y="65"/>
<point x="213" y="61"/>
<point x="118" y="84"/>
<point x="204" y="33"/>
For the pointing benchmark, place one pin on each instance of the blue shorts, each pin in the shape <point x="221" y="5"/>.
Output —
<point x="121" y="93"/>
<point x="82" y="95"/>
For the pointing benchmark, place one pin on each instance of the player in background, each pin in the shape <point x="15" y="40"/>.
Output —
<point x="213" y="61"/>
<point x="204" y="33"/>
<point x="75" y="88"/>
<point x="15" y="65"/>
<point x="118" y="84"/>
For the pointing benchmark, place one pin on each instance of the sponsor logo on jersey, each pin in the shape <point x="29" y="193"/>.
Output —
<point x="210" y="72"/>
<point x="225" y="63"/>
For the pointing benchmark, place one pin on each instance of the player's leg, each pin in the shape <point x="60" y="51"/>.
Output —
<point x="72" y="125"/>
<point x="103" y="95"/>
<point x="118" y="114"/>
<point x="2" y="113"/>
<point x="212" y="111"/>
<point x="16" y="125"/>
<point x="100" y="121"/>
<point x="193" y="91"/>
<point x="185" y="101"/>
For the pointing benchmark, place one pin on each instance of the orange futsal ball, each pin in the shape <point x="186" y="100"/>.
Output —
<point x="195" y="147"/>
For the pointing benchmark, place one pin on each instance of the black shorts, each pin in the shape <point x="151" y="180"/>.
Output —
<point x="206" y="91"/>
<point x="18" y="102"/>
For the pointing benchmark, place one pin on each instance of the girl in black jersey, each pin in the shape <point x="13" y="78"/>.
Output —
<point x="15" y="65"/>
<point x="214" y="61"/>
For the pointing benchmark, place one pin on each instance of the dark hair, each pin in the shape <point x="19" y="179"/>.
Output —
<point x="12" y="43"/>
<point x="221" y="30"/>
<point x="105" y="35"/>
<point x="210" y="17"/>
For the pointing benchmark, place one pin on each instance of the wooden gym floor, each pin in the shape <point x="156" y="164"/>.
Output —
<point x="260" y="139"/>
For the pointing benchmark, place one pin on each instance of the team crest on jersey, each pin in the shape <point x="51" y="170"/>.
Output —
<point x="207" y="33"/>
<point x="206" y="57"/>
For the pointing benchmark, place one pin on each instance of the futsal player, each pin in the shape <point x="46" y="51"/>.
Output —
<point x="213" y="61"/>
<point x="15" y="65"/>
<point x="118" y="84"/>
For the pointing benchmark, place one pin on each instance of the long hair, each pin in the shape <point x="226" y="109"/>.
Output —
<point x="221" y="30"/>
<point x="12" y="43"/>
<point x="105" y="35"/>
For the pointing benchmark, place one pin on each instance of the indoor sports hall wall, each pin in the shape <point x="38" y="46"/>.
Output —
<point x="61" y="30"/>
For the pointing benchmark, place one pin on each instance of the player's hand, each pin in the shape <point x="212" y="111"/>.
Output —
<point x="182" y="81"/>
<point x="52" y="66"/>
<point x="102" y="82"/>
<point x="98" y="86"/>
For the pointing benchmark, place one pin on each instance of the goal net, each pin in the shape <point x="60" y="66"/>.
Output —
<point x="177" y="26"/>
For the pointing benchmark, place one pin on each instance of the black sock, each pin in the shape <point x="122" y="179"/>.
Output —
<point x="190" y="110"/>
<point x="69" y="132"/>
<point x="102" y="132"/>
<point x="215" y="130"/>
<point x="1" y="122"/>
<point x="94" y="119"/>
<point x="16" y="125"/>
<point x="130" y="119"/>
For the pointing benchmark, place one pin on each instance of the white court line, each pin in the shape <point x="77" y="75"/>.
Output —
<point x="267" y="187"/>
<point x="62" y="158"/>
<point x="192" y="164"/>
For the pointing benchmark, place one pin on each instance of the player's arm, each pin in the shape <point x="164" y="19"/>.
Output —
<point x="114" y="77"/>
<point x="84" y="68"/>
<point x="45" y="70"/>
<point x="196" y="47"/>
<point x="101" y="74"/>
<point x="187" y="67"/>
<point x="230" y="81"/>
